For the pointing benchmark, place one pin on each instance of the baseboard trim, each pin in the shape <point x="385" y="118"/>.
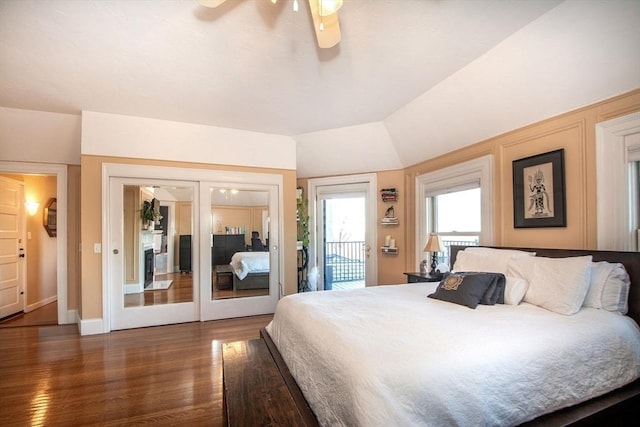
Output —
<point x="40" y="303"/>
<point x="90" y="326"/>
<point x="72" y="317"/>
<point x="135" y="288"/>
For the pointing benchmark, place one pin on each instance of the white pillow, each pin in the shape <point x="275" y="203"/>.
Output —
<point x="499" y="252"/>
<point x="514" y="290"/>
<point x="609" y="287"/>
<point x="557" y="284"/>
<point x="471" y="261"/>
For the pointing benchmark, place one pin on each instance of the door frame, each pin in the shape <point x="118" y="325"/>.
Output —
<point x="371" y="205"/>
<point x="130" y="170"/>
<point x="65" y="315"/>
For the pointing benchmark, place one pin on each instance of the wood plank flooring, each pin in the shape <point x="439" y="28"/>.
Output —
<point x="165" y="375"/>
<point x="45" y="315"/>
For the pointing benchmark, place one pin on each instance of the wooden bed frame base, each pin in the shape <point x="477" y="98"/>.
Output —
<point x="616" y="408"/>
<point x="251" y="281"/>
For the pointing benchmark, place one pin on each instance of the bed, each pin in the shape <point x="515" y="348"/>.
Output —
<point x="251" y="270"/>
<point x="391" y="356"/>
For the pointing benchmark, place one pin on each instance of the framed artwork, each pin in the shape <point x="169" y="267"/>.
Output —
<point x="538" y="191"/>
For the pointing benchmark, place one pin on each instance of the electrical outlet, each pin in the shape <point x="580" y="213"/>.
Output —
<point x="97" y="248"/>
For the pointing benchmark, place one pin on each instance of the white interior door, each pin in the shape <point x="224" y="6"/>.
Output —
<point x="231" y="212"/>
<point x="12" y="262"/>
<point x="139" y="297"/>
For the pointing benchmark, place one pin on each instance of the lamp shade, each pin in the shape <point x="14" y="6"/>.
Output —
<point x="434" y="244"/>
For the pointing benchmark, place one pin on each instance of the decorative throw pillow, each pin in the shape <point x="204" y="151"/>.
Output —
<point x="557" y="284"/>
<point x="609" y="287"/>
<point x="470" y="289"/>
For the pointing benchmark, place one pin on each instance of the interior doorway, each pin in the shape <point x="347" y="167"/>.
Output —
<point x="59" y="173"/>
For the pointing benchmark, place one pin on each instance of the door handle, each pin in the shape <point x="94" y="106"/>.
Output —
<point x="115" y="252"/>
<point x="21" y="255"/>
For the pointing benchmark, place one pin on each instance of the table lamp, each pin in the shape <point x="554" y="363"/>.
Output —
<point x="434" y="245"/>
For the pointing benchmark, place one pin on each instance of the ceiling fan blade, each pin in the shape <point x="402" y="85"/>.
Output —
<point x="329" y="36"/>
<point x="211" y="3"/>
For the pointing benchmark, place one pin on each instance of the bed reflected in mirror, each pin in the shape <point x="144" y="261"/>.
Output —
<point x="157" y="223"/>
<point x="239" y="243"/>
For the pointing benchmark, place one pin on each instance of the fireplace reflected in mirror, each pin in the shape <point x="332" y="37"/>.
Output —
<point x="155" y="217"/>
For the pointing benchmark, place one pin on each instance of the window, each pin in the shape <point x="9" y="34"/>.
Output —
<point x="617" y="157"/>
<point x="456" y="203"/>
<point x="456" y="217"/>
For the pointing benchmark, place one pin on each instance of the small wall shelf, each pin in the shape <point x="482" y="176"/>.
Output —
<point x="389" y="221"/>
<point x="389" y="195"/>
<point x="388" y="250"/>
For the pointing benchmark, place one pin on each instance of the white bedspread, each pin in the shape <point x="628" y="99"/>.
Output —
<point x="244" y="263"/>
<point x="390" y="356"/>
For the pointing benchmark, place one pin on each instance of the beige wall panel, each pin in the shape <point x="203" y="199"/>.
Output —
<point x="233" y="216"/>
<point x="391" y="267"/>
<point x="567" y="134"/>
<point x="73" y="237"/>
<point x="131" y="219"/>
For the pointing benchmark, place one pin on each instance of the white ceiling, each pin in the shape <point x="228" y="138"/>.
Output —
<point x="253" y="65"/>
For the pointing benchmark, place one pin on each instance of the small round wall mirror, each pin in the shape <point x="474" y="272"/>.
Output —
<point x="50" y="217"/>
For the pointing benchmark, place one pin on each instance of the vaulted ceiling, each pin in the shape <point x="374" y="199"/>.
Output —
<point x="405" y="72"/>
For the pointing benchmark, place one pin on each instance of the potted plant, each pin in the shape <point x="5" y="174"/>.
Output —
<point x="303" y="219"/>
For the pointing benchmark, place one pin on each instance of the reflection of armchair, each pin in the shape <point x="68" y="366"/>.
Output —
<point x="256" y="243"/>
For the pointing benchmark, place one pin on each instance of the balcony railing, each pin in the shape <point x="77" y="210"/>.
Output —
<point x="344" y="261"/>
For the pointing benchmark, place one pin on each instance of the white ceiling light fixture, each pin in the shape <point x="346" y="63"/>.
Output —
<point x="323" y="12"/>
<point x="329" y="7"/>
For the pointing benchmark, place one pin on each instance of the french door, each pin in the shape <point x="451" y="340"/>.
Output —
<point x="343" y="231"/>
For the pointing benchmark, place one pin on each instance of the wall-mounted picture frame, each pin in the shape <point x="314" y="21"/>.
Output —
<point x="539" y="191"/>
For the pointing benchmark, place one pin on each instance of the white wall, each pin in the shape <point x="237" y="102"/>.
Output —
<point x="127" y="136"/>
<point x="39" y="136"/>
<point x="353" y="149"/>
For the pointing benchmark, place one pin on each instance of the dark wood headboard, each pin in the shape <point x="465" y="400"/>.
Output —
<point x="630" y="260"/>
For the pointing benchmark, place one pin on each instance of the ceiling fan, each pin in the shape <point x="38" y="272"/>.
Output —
<point x="323" y="12"/>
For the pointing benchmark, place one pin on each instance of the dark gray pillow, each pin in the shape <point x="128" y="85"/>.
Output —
<point x="495" y="292"/>
<point x="471" y="289"/>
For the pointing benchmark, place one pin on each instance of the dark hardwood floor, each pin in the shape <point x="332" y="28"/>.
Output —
<point x="165" y="375"/>
<point x="45" y="315"/>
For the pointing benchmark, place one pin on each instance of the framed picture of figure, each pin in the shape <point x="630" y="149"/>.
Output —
<point x="539" y="191"/>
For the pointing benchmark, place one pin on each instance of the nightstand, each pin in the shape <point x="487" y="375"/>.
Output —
<point x="420" y="277"/>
